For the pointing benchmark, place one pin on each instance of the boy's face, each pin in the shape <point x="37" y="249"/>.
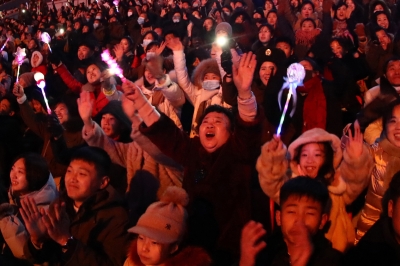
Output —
<point x="300" y="210"/>
<point x="81" y="181"/>
<point x="152" y="252"/>
<point x="394" y="213"/>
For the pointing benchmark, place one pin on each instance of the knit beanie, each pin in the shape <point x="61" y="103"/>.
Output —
<point x="224" y="26"/>
<point x="165" y="220"/>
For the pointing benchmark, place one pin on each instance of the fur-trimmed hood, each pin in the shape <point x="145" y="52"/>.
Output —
<point x="338" y="186"/>
<point x="206" y="66"/>
<point x="40" y="60"/>
<point x="189" y="256"/>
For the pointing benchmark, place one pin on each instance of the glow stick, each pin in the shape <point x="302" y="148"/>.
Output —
<point x="295" y="76"/>
<point x="20" y="56"/>
<point x="39" y="77"/>
<point x="46" y="39"/>
<point x="112" y="64"/>
<point x="116" y="2"/>
<point x="4" y="45"/>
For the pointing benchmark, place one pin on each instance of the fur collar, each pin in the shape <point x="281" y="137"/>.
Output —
<point x="189" y="256"/>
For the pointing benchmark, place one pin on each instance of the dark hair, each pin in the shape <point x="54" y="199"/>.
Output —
<point x="152" y="33"/>
<point x="36" y="170"/>
<point x="314" y="64"/>
<point x="130" y="41"/>
<point x="388" y="114"/>
<point x="307" y="2"/>
<point x="308" y="19"/>
<point x="95" y="156"/>
<point x="392" y="193"/>
<point x="152" y="44"/>
<point x="373" y="4"/>
<point x="270" y="28"/>
<point x="392" y="58"/>
<point x="284" y="39"/>
<point x="346" y="43"/>
<point x="14" y="106"/>
<point x="327" y="171"/>
<point x="173" y="32"/>
<point x="219" y="109"/>
<point x="303" y="186"/>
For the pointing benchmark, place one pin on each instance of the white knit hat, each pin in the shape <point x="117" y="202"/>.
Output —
<point x="165" y="220"/>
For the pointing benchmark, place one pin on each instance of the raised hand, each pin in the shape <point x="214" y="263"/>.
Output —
<point x="161" y="48"/>
<point x="131" y="91"/>
<point x="243" y="75"/>
<point x="119" y="52"/>
<point x="128" y="107"/>
<point x="274" y="145"/>
<point x="33" y="220"/>
<point x="354" y="145"/>
<point x="18" y="90"/>
<point x="85" y="107"/>
<point x="250" y="243"/>
<point x="175" y="44"/>
<point x="155" y="67"/>
<point x="57" y="222"/>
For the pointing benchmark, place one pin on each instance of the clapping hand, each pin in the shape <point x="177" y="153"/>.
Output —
<point x="251" y="243"/>
<point x="57" y="222"/>
<point x="33" y="220"/>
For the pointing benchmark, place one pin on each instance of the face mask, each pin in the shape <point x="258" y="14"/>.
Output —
<point x="176" y="20"/>
<point x="140" y="20"/>
<point x="195" y="5"/>
<point x="150" y="55"/>
<point x="210" y="84"/>
<point x="146" y="42"/>
<point x="87" y="19"/>
<point x="95" y="25"/>
<point x="227" y="13"/>
<point x="308" y="75"/>
<point x="98" y="17"/>
<point x="129" y="14"/>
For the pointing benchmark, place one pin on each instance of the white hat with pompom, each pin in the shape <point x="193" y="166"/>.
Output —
<point x="165" y="220"/>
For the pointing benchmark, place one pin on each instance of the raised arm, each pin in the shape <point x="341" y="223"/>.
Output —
<point x="272" y="166"/>
<point x="180" y="68"/>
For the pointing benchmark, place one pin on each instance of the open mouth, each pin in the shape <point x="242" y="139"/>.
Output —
<point x="310" y="168"/>
<point x="210" y="135"/>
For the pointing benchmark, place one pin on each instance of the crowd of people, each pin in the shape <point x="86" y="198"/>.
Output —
<point x="177" y="161"/>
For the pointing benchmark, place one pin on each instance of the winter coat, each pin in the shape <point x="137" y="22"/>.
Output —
<point x="96" y="93"/>
<point x="12" y="226"/>
<point x="378" y="246"/>
<point x="194" y="92"/>
<point x="189" y="256"/>
<point x="135" y="158"/>
<point x="99" y="229"/>
<point x="167" y="98"/>
<point x="273" y="172"/>
<point x="375" y="169"/>
<point x="218" y="183"/>
<point x="40" y="128"/>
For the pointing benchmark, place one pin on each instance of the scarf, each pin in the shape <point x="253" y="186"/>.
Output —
<point x="340" y="30"/>
<point x="306" y="38"/>
<point x="314" y="110"/>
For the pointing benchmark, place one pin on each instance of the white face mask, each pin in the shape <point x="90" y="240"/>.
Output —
<point x="176" y="20"/>
<point x="140" y="20"/>
<point x="210" y="84"/>
<point x="195" y="5"/>
<point x="150" y="55"/>
<point x="146" y="42"/>
<point x="98" y="17"/>
<point x="95" y="25"/>
<point x="130" y="14"/>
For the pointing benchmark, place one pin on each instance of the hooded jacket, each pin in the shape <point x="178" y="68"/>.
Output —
<point x="12" y="226"/>
<point x="194" y="92"/>
<point x="275" y="168"/>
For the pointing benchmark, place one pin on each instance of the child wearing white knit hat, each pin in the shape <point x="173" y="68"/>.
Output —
<point x="160" y="232"/>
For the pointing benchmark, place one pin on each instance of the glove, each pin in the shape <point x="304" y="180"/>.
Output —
<point x="54" y="126"/>
<point x="6" y="209"/>
<point x="226" y="61"/>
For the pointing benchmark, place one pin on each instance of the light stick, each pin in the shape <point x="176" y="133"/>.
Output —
<point x="4" y="45"/>
<point x="295" y="76"/>
<point x="39" y="77"/>
<point x="46" y="39"/>
<point x="116" y="2"/>
<point x="112" y="64"/>
<point x="20" y="56"/>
